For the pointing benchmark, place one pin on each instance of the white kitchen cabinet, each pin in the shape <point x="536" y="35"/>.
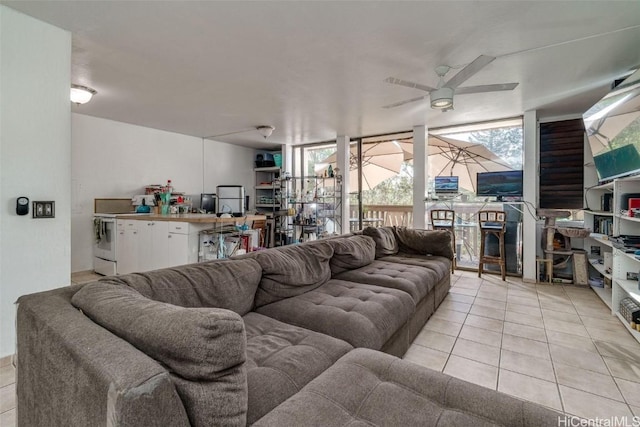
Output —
<point x="127" y="246"/>
<point x="152" y="245"/>
<point x="178" y="249"/>
<point x="144" y="245"/>
<point x="184" y="242"/>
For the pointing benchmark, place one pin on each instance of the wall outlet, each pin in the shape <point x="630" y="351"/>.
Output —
<point x="44" y="209"/>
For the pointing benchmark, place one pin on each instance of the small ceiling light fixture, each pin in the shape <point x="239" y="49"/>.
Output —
<point x="81" y="94"/>
<point x="265" y="131"/>
<point x="442" y="99"/>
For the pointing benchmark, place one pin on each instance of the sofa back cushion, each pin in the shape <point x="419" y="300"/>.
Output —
<point x="204" y="348"/>
<point x="385" y="239"/>
<point x="292" y="270"/>
<point x="352" y="252"/>
<point x="424" y="242"/>
<point x="229" y="284"/>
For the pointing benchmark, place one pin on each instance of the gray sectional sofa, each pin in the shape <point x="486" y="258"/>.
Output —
<point x="288" y="336"/>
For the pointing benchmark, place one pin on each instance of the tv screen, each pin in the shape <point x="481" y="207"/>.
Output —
<point x="616" y="163"/>
<point x="208" y="202"/>
<point x="446" y="184"/>
<point x="499" y="184"/>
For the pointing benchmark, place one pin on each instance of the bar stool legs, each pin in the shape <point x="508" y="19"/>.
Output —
<point x="492" y="223"/>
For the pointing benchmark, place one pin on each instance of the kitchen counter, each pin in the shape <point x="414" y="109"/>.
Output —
<point x="192" y="218"/>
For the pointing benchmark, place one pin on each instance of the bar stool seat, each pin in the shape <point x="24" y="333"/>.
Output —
<point x="444" y="219"/>
<point x="492" y="223"/>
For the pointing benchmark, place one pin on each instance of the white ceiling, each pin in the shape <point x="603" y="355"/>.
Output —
<point x="315" y="69"/>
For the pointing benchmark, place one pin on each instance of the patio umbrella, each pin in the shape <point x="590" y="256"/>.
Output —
<point x="605" y="120"/>
<point x="604" y="130"/>
<point x="452" y="157"/>
<point x="380" y="161"/>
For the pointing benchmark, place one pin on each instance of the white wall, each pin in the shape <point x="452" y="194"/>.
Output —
<point x="34" y="161"/>
<point x="114" y="159"/>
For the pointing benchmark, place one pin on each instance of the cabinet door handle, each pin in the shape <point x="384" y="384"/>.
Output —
<point x="169" y="236"/>
<point x="135" y="232"/>
<point x="178" y="228"/>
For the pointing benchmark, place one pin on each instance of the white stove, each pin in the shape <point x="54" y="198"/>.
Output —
<point x="104" y="247"/>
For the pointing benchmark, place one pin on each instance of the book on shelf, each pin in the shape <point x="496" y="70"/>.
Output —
<point x="603" y="225"/>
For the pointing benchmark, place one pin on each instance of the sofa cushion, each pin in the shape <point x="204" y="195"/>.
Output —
<point x="362" y="315"/>
<point x="281" y="359"/>
<point x="441" y="266"/>
<point x="385" y="239"/>
<point x="369" y="388"/>
<point x="424" y="242"/>
<point x="292" y="270"/>
<point x="417" y="281"/>
<point x="351" y="252"/>
<point x="204" y="348"/>
<point x="229" y="284"/>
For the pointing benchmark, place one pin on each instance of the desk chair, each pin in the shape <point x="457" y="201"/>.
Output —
<point x="492" y="223"/>
<point x="444" y="219"/>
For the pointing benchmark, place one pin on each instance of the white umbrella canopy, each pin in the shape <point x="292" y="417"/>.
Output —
<point x="380" y="161"/>
<point x="452" y="157"/>
<point x="604" y="130"/>
<point x="610" y="116"/>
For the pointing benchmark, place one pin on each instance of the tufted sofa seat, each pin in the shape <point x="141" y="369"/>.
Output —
<point x="368" y="388"/>
<point x="281" y="359"/>
<point x="362" y="315"/>
<point x="417" y="281"/>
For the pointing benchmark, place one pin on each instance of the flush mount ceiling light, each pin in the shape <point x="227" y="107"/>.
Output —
<point x="81" y="94"/>
<point x="442" y="98"/>
<point x="265" y="131"/>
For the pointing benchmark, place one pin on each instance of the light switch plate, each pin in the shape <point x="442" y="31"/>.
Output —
<point x="44" y="209"/>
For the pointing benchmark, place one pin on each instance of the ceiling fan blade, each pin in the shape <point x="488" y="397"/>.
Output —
<point x="485" y="88"/>
<point x="397" y="104"/>
<point x="406" y="83"/>
<point x="463" y="75"/>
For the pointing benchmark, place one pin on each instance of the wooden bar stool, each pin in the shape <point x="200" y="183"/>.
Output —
<point x="492" y="223"/>
<point x="444" y="219"/>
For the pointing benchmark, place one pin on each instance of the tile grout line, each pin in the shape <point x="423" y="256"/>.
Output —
<point x="553" y="365"/>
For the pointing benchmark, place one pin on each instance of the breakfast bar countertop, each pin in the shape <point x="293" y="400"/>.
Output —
<point x="192" y="218"/>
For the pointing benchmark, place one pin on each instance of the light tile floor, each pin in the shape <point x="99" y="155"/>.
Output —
<point x="554" y="345"/>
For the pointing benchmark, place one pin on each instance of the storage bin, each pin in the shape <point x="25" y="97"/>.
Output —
<point x="277" y="159"/>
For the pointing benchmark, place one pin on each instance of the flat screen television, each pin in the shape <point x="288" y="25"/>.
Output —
<point x="446" y="184"/>
<point x="617" y="163"/>
<point x="499" y="184"/>
<point x="208" y="202"/>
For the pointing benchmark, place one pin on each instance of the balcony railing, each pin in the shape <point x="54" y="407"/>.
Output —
<point x="379" y="215"/>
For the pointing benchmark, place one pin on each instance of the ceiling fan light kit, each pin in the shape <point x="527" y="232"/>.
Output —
<point x="442" y="98"/>
<point x="81" y="94"/>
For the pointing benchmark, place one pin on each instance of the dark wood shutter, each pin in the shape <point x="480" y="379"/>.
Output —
<point x="562" y="164"/>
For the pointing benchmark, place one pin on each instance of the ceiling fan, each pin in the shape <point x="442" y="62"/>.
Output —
<point x="441" y="97"/>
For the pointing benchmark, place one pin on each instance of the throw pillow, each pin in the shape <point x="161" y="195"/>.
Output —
<point x="288" y="271"/>
<point x="204" y="348"/>
<point x="229" y="284"/>
<point x="351" y="252"/>
<point x="385" y="239"/>
<point x="425" y="242"/>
